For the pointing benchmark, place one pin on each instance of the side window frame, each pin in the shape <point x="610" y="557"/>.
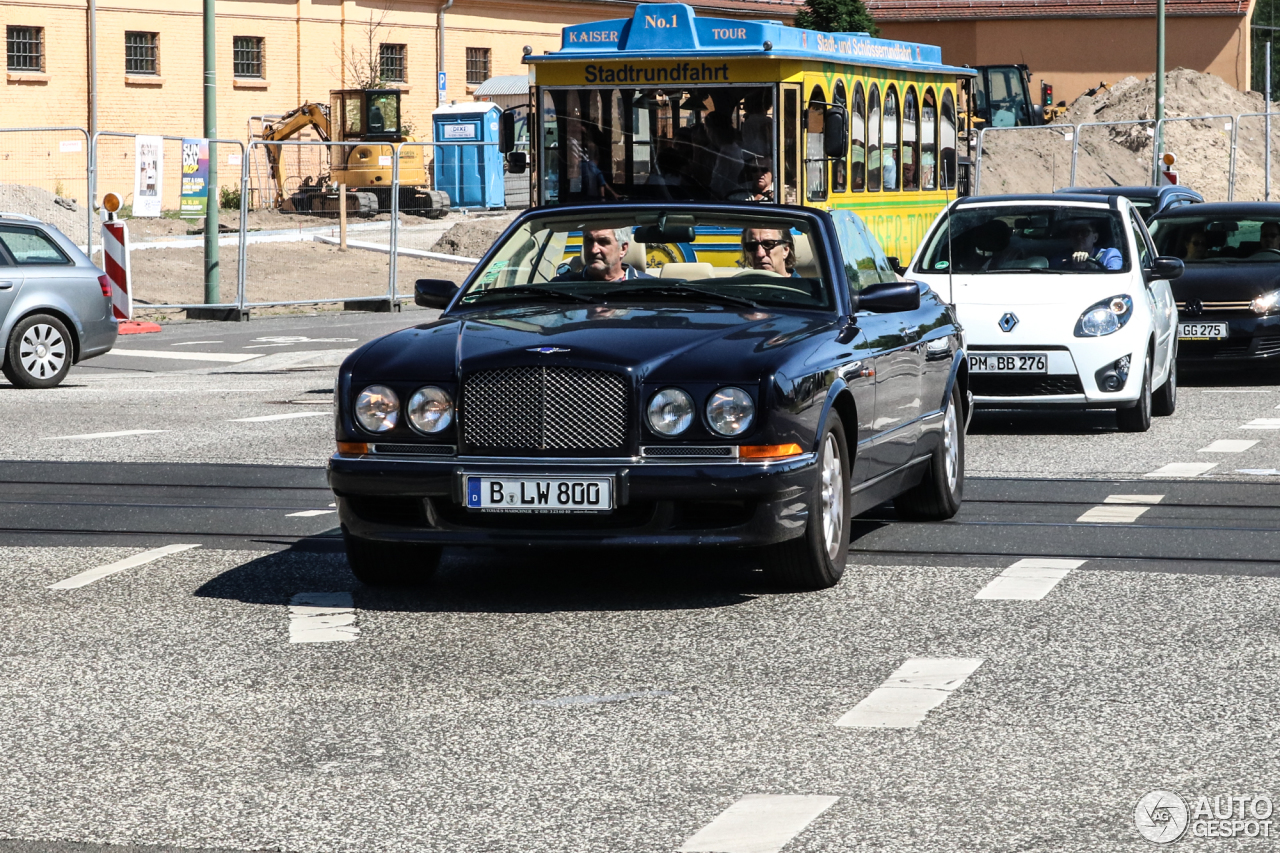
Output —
<point x="39" y="234"/>
<point x="1142" y="236"/>
<point x="815" y="160"/>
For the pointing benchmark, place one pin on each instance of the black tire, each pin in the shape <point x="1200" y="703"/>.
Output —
<point x="938" y="495"/>
<point x="1164" y="401"/>
<point x="39" y="352"/>
<point x="1138" y="418"/>
<point x="815" y="560"/>
<point x="390" y="563"/>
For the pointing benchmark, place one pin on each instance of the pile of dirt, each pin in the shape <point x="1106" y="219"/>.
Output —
<point x="68" y="217"/>
<point x="1040" y="160"/>
<point x="471" y="238"/>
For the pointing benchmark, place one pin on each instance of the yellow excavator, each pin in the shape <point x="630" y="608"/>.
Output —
<point x="368" y="116"/>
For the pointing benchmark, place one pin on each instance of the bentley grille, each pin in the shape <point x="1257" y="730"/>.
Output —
<point x="544" y="408"/>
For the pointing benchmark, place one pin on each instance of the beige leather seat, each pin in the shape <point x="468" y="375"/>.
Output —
<point x="688" y="271"/>
<point x="634" y="257"/>
<point x="806" y="265"/>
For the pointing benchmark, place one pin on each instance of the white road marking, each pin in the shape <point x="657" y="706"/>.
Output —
<point x="1262" y="423"/>
<point x="1183" y="469"/>
<point x="322" y="617"/>
<point x="1133" y="499"/>
<point x="1228" y="445"/>
<point x="310" y="513"/>
<point x="1028" y="580"/>
<point x="758" y="823"/>
<point x="284" y="417"/>
<point x="591" y="699"/>
<point x="230" y="357"/>
<point x="88" y="577"/>
<point x="1234" y="391"/>
<point x="193" y="343"/>
<point x="1113" y="514"/>
<point x="914" y="689"/>
<point x="1259" y="472"/>
<point x="261" y="346"/>
<point x="121" y="434"/>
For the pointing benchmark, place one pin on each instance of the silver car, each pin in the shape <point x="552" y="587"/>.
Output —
<point x="55" y="305"/>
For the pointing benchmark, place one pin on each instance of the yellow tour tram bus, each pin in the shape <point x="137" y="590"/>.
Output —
<point x="667" y="105"/>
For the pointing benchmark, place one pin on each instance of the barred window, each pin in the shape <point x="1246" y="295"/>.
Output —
<point x="391" y="63"/>
<point x="477" y="65"/>
<point x="140" y="53"/>
<point x="247" y="56"/>
<point x="24" y="47"/>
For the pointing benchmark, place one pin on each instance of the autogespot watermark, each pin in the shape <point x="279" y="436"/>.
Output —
<point x="1163" y="816"/>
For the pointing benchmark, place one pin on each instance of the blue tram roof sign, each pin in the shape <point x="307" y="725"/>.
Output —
<point x="658" y="30"/>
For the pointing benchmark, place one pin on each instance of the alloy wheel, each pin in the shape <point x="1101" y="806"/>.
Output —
<point x="951" y="448"/>
<point x="832" y="487"/>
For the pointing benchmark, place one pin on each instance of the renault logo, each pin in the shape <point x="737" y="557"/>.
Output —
<point x="1008" y="321"/>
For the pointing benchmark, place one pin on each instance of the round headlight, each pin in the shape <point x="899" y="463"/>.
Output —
<point x="730" y="411"/>
<point x="670" y="411"/>
<point x="377" y="408"/>
<point x="430" y="409"/>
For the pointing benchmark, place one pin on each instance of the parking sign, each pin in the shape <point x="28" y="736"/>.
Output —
<point x="442" y="84"/>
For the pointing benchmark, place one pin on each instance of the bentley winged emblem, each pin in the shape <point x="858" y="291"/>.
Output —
<point x="1008" y="321"/>
<point x="547" y="350"/>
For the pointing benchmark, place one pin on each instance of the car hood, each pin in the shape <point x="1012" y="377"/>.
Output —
<point x="1049" y="289"/>
<point x="652" y="343"/>
<point x="1225" y="282"/>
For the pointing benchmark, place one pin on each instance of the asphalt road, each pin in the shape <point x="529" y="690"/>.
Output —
<point x="186" y="664"/>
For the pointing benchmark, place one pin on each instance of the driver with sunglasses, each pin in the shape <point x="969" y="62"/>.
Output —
<point x="769" y="249"/>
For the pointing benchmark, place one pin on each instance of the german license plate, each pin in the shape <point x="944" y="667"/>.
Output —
<point x="539" y="494"/>
<point x="1010" y="362"/>
<point x="1202" y="331"/>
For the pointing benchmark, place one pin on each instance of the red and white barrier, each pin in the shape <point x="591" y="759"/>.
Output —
<point x="115" y="262"/>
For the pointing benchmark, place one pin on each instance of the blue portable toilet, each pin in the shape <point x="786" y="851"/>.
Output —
<point x="470" y="174"/>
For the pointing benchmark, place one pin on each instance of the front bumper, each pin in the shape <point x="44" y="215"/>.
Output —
<point x="1251" y="338"/>
<point x="1073" y="379"/>
<point x="658" y="504"/>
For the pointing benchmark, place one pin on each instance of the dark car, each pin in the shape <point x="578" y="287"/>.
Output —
<point x="1148" y="200"/>
<point x="1229" y="296"/>
<point x="770" y="379"/>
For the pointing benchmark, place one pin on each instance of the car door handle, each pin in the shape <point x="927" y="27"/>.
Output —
<point x="6" y="285"/>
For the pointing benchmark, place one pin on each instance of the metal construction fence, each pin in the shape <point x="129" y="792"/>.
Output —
<point x="1233" y="153"/>
<point x="46" y="171"/>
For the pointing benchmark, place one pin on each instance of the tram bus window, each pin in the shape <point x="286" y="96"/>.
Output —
<point x="889" y="151"/>
<point x="873" y="139"/>
<point x="929" y="141"/>
<point x="948" y="141"/>
<point x="815" y="158"/>
<point x="790" y="143"/>
<point x="840" y="166"/>
<point x="910" y="141"/>
<point x="858" y="140"/>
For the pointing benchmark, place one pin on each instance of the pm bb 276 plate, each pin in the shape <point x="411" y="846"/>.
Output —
<point x="503" y="493"/>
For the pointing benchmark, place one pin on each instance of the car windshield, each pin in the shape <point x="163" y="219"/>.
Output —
<point x="1216" y="239"/>
<point x="1003" y="238"/>
<point x="740" y="260"/>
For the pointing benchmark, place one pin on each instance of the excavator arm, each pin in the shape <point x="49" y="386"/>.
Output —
<point x="289" y="125"/>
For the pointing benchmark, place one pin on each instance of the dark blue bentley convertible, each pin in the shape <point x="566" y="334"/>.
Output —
<point x="655" y="375"/>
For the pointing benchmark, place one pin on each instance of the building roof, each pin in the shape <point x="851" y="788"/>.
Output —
<point x="503" y="84"/>
<point x="949" y="10"/>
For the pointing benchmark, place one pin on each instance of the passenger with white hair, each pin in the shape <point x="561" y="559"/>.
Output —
<point x="602" y="252"/>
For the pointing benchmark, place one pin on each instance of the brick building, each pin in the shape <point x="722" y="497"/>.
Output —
<point x="1075" y="44"/>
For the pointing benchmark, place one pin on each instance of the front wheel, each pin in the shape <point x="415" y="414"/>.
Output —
<point x="377" y="563"/>
<point x="938" y="495"/>
<point x="39" y="352"/>
<point x="1138" y="418"/>
<point x="1165" y="400"/>
<point x="815" y="560"/>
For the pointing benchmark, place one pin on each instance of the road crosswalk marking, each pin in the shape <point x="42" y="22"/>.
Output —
<point x="310" y="513"/>
<point x="1113" y="514"/>
<point x="1133" y="499"/>
<point x="1229" y="445"/>
<point x="1262" y="423"/>
<point x="119" y="434"/>
<point x="88" y="577"/>
<point x="914" y="689"/>
<point x="1028" y="580"/>
<point x="322" y="617"/>
<point x="759" y="823"/>
<point x="287" y="416"/>
<point x="228" y="357"/>
<point x="1183" y="469"/>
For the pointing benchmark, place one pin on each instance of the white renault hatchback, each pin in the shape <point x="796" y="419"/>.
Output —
<point x="1063" y="302"/>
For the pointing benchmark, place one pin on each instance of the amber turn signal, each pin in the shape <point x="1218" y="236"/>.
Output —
<point x="352" y="448"/>
<point x="768" y="451"/>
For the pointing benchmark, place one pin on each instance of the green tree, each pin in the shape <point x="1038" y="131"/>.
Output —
<point x="836" y="16"/>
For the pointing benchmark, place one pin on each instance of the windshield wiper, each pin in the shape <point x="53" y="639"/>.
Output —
<point x="685" y="291"/>
<point x="532" y="290"/>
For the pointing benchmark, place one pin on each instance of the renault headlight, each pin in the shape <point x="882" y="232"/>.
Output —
<point x="1105" y="317"/>
<point x="730" y="411"/>
<point x="1266" y="303"/>
<point x="377" y="408"/>
<point x="670" y="411"/>
<point x="430" y="410"/>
